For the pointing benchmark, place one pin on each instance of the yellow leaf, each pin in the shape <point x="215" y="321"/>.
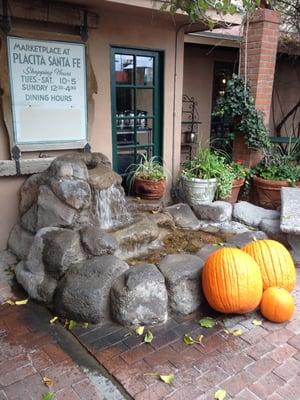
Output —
<point x="53" y="320"/>
<point x="148" y="337"/>
<point x="200" y="338"/>
<point x="227" y="331"/>
<point x="188" y="339"/>
<point x="139" y="330"/>
<point x="237" y="332"/>
<point x="48" y="381"/>
<point x="167" y="378"/>
<point x="257" y="322"/>
<point x="21" y="302"/>
<point x="85" y="324"/>
<point x="220" y="394"/>
<point x="10" y="302"/>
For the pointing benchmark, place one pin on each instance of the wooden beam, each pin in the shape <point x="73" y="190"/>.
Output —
<point x="27" y="166"/>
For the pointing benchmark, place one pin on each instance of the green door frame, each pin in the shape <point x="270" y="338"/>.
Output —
<point x="157" y="87"/>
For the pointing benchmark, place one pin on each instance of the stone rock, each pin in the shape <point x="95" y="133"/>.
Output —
<point x="243" y="238"/>
<point x="135" y="238"/>
<point x="102" y="177"/>
<point x="226" y="227"/>
<point x="74" y="192"/>
<point x="83" y="293"/>
<point x="183" y="216"/>
<point x="52" y="211"/>
<point x="294" y="242"/>
<point x="69" y="166"/>
<point x="31" y="272"/>
<point x="208" y="249"/>
<point x="182" y="273"/>
<point x="290" y="210"/>
<point x="29" y="191"/>
<point x="97" y="242"/>
<point x="139" y="297"/>
<point x="62" y="248"/>
<point x="272" y="228"/>
<point x="20" y="241"/>
<point x="29" y="219"/>
<point x="217" y="211"/>
<point x="252" y="215"/>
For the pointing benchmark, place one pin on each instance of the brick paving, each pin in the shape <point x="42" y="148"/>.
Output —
<point x="262" y="363"/>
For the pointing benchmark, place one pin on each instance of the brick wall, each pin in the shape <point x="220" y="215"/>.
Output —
<point x="262" y="40"/>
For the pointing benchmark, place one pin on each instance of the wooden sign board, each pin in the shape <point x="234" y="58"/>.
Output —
<point x="48" y="93"/>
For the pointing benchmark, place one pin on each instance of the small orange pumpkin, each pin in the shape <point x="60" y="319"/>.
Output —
<point x="276" y="264"/>
<point x="277" y="304"/>
<point x="232" y="281"/>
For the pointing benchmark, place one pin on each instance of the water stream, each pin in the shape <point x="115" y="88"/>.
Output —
<point x="110" y="208"/>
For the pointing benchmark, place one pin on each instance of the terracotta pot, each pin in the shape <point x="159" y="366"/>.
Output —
<point x="268" y="192"/>
<point x="244" y="154"/>
<point x="235" y="191"/>
<point x="150" y="190"/>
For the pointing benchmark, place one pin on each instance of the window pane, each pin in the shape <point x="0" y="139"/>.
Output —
<point x="124" y="69"/>
<point x="125" y="101"/>
<point x="144" y="71"/>
<point x="144" y="102"/>
<point x="144" y="133"/>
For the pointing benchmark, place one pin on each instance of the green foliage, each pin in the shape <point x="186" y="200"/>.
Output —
<point x="207" y="322"/>
<point x="238" y="105"/>
<point x="208" y="164"/>
<point x="278" y="167"/>
<point x="238" y="170"/>
<point x="148" y="169"/>
<point x="48" y="396"/>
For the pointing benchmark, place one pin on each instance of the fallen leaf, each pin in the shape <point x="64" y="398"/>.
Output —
<point x="154" y="211"/>
<point x="85" y="324"/>
<point x="72" y="324"/>
<point x="21" y="302"/>
<point x="48" y="381"/>
<point x="188" y="340"/>
<point x="219" y="244"/>
<point x="48" y="396"/>
<point x="148" y="337"/>
<point x="237" y="332"/>
<point x="220" y="394"/>
<point x="227" y="331"/>
<point x="53" y="320"/>
<point x="139" y="330"/>
<point x="257" y="322"/>
<point x="207" y="322"/>
<point x="10" y="302"/>
<point x="200" y="338"/>
<point x="167" y="378"/>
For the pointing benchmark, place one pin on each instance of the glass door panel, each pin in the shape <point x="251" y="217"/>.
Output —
<point x="136" y="106"/>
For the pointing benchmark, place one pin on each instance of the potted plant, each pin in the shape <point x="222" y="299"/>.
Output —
<point x="249" y="135"/>
<point x="275" y="171"/>
<point x="206" y="176"/>
<point x="148" y="178"/>
<point x="240" y="172"/>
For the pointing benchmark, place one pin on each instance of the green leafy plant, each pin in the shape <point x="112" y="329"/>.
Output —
<point x="238" y="106"/>
<point x="238" y="170"/>
<point x="148" y="168"/>
<point x="208" y="164"/>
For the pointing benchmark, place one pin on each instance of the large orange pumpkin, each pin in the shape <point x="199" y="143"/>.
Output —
<point x="277" y="304"/>
<point x="232" y="281"/>
<point x="276" y="264"/>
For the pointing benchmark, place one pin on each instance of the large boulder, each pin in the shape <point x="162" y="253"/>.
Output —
<point x="29" y="219"/>
<point x="31" y="273"/>
<point x="69" y="166"/>
<point x="83" y="293"/>
<point x="74" y="192"/>
<point x="20" y="241"/>
<point x="30" y="190"/>
<point x="183" y="216"/>
<point x="217" y="211"/>
<point x="97" y="242"/>
<point x="62" y="248"/>
<point x="139" y="297"/>
<point x="182" y="274"/>
<point x="252" y="215"/>
<point x="242" y="239"/>
<point x="52" y="211"/>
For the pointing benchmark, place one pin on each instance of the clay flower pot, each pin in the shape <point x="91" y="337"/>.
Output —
<point x="235" y="191"/>
<point x="268" y="192"/>
<point x="150" y="190"/>
<point x="242" y="153"/>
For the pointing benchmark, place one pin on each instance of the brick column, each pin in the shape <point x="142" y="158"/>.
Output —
<point x="262" y="40"/>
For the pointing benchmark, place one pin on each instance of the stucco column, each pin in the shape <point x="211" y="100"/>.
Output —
<point x="258" y="56"/>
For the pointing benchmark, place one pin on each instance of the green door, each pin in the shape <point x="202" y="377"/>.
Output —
<point x="136" y="93"/>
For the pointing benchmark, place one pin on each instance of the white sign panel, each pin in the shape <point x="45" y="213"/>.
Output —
<point x="48" y="88"/>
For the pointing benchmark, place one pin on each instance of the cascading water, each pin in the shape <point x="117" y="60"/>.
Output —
<point x="110" y="207"/>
